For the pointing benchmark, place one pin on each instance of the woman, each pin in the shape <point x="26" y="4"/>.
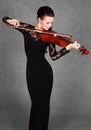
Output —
<point x="39" y="73"/>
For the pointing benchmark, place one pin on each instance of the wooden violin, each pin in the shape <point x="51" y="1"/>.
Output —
<point x="60" y="39"/>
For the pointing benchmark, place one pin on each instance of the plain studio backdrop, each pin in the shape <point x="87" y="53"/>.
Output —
<point x="71" y="95"/>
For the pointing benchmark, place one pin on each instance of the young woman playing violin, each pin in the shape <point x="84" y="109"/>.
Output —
<point x="39" y="73"/>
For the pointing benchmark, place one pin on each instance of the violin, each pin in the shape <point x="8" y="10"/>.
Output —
<point x="60" y="39"/>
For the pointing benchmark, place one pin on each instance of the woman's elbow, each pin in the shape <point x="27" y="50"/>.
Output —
<point x="53" y="58"/>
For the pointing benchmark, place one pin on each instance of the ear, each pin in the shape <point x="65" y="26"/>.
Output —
<point x="39" y="20"/>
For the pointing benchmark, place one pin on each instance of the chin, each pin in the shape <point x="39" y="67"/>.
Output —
<point x="47" y="29"/>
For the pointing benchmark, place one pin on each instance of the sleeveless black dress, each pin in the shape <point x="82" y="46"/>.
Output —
<point x="39" y="76"/>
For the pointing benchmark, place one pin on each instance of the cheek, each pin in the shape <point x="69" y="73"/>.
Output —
<point x="47" y="25"/>
<point x="44" y="24"/>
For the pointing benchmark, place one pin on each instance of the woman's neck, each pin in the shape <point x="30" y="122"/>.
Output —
<point x="38" y="26"/>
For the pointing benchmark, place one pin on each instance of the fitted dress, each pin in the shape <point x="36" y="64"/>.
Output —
<point x="39" y="75"/>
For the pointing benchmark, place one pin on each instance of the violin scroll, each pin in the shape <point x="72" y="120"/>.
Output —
<point x="83" y="50"/>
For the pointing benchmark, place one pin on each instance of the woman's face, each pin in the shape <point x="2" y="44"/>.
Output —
<point x="46" y="22"/>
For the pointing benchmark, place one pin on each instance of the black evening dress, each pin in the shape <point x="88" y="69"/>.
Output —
<point x="39" y="76"/>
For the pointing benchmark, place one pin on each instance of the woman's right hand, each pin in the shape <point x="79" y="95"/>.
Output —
<point x="13" y="22"/>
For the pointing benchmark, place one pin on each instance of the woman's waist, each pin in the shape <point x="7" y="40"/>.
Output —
<point x="36" y="59"/>
<point x="39" y="64"/>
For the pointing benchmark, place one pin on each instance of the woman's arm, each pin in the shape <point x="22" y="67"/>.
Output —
<point x="10" y="21"/>
<point x="55" y="55"/>
<point x="15" y="23"/>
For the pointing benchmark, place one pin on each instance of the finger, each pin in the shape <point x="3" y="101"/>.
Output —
<point x="55" y="34"/>
<point x="78" y="45"/>
<point x="15" y="24"/>
<point x="75" y="42"/>
<point x="18" y="24"/>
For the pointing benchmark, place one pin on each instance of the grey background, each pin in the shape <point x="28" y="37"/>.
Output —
<point x="71" y="95"/>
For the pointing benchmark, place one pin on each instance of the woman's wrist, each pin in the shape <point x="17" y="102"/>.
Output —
<point x="68" y="47"/>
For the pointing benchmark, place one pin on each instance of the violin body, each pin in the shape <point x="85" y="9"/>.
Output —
<point x="54" y="39"/>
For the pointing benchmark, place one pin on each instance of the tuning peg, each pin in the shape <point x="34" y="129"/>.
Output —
<point x="83" y="52"/>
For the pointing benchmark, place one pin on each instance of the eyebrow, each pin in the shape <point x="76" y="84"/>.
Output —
<point x="49" y="22"/>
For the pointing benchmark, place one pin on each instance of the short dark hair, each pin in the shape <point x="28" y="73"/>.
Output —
<point x="45" y="11"/>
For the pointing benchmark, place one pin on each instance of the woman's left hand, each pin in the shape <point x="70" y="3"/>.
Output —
<point x="74" y="45"/>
